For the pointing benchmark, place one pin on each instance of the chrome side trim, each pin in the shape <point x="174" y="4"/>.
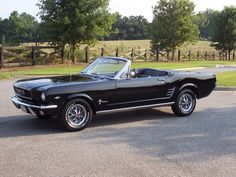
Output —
<point x="137" y="107"/>
<point x="137" y="101"/>
<point x="170" y="92"/>
<point x="17" y="101"/>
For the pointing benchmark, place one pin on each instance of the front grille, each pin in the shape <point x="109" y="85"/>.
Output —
<point x="22" y="93"/>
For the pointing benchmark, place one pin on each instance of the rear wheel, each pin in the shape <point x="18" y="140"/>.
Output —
<point x="76" y="115"/>
<point x="185" y="103"/>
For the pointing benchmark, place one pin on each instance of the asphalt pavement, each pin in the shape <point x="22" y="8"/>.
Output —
<point x="150" y="142"/>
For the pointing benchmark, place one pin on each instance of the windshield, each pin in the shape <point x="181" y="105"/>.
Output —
<point x="108" y="67"/>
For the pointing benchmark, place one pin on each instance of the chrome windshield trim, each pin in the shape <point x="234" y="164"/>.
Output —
<point x="125" y="67"/>
<point x="18" y="101"/>
<point x="137" y="107"/>
<point x="118" y="75"/>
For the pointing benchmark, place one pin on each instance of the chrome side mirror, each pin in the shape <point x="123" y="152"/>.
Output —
<point x="132" y="74"/>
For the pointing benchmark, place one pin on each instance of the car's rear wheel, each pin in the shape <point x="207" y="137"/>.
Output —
<point x="76" y="115"/>
<point x="185" y="103"/>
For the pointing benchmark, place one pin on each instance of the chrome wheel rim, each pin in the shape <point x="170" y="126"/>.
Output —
<point x="76" y="115"/>
<point x="186" y="103"/>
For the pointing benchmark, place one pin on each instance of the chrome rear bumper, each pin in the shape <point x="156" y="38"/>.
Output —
<point x="18" y="102"/>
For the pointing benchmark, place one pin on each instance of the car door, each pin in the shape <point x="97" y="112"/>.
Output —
<point x="139" y="91"/>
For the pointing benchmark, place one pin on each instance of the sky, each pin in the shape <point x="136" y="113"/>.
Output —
<point x="124" y="7"/>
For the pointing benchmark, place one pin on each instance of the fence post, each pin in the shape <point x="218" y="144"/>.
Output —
<point x="179" y="53"/>
<point x="213" y="56"/>
<point x="33" y="55"/>
<point x="117" y="52"/>
<point x="198" y="55"/>
<point x="233" y="56"/>
<point x="87" y="54"/>
<point x="145" y="55"/>
<point x="157" y="55"/>
<point x="226" y="56"/>
<point x="206" y="56"/>
<point x="132" y="54"/>
<point x="220" y="56"/>
<point x="102" y="52"/>
<point x="189" y="55"/>
<point x="168" y="56"/>
<point x="1" y="57"/>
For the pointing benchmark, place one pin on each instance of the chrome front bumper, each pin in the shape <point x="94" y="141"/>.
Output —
<point x="18" y="102"/>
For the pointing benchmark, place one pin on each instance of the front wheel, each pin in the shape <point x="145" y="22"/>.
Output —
<point x="76" y="115"/>
<point x="185" y="103"/>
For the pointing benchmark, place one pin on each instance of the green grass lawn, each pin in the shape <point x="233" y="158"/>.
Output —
<point x="226" y="78"/>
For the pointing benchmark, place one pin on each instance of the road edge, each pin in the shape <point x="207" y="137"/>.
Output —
<point x="222" y="88"/>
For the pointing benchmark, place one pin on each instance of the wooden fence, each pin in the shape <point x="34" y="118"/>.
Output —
<point x="24" y="56"/>
<point x="162" y="56"/>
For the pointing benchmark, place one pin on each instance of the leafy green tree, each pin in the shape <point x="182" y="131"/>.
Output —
<point x="18" y="28"/>
<point x="224" y="37"/>
<point x="206" y="22"/>
<point x="129" y="28"/>
<point x="173" y="24"/>
<point x="76" y="21"/>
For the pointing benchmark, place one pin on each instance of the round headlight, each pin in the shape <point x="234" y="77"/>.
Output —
<point x="43" y="96"/>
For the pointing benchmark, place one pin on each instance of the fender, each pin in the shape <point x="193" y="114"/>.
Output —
<point x="188" y="85"/>
<point x="80" y="95"/>
<point x="83" y="95"/>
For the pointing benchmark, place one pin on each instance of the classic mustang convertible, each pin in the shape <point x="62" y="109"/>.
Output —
<point x="107" y="85"/>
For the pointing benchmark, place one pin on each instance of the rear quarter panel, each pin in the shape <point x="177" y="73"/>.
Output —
<point x="204" y="82"/>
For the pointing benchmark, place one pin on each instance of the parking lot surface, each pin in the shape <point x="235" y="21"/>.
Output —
<point x="150" y="142"/>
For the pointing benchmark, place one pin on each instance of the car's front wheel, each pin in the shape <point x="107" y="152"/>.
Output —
<point x="185" y="103"/>
<point x="76" y="115"/>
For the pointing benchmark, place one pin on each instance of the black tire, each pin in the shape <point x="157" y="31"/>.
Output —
<point x="76" y="115"/>
<point x="185" y="103"/>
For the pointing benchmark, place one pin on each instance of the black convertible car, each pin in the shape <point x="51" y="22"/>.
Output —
<point x="107" y="85"/>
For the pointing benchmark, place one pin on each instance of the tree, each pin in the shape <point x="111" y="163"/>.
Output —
<point x="173" y="24"/>
<point x="129" y="28"/>
<point x="224" y="36"/>
<point x="206" y="22"/>
<point x="76" y="21"/>
<point x="18" y="28"/>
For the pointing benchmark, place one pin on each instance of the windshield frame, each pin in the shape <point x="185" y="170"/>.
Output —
<point x="119" y="73"/>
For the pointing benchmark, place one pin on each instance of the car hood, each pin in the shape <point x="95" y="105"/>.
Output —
<point x="50" y="81"/>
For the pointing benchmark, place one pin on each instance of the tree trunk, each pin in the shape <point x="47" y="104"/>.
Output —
<point x="229" y="57"/>
<point x="73" y="52"/>
<point x="62" y="53"/>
